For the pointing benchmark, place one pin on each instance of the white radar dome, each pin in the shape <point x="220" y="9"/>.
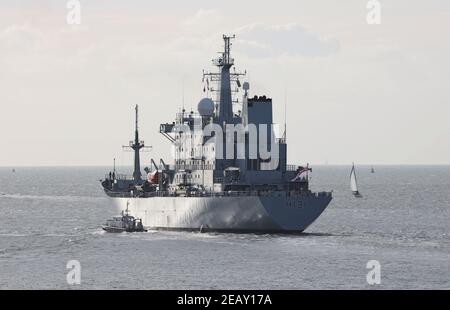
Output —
<point x="206" y="107"/>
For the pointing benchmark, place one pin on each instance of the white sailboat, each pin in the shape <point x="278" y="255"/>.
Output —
<point x="354" y="183"/>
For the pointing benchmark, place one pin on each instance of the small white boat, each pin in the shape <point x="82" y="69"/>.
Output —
<point x="354" y="183"/>
<point x="124" y="223"/>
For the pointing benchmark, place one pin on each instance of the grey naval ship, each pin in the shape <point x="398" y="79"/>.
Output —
<point x="204" y="190"/>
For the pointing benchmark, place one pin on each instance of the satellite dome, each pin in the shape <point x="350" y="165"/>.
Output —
<point x="206" y="107"/>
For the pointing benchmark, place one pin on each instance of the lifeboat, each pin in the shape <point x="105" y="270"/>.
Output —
<point x="153" y="177"/>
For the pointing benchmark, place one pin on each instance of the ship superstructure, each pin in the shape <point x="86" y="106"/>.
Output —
<point x="230" y="170"/>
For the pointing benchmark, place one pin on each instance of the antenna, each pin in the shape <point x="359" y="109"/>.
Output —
<point x="285" y="115"/>
<point x="182" y="92"/>
<point x="227" y="60"/>
<point x="137" y="115"/>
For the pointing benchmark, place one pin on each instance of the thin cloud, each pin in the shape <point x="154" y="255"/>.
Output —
<point x="203" y="17"/>
<point x="260" y="40"/>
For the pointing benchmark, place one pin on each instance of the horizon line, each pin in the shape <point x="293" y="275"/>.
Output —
<point x="143" y="166"/>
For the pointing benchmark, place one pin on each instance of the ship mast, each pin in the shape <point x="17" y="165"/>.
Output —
<point x="225" y="109"/>
<point x="224" y="103"/>
<point x="136" y="146"/>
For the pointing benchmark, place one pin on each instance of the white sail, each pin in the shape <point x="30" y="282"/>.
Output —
<point x="353" y="183"/>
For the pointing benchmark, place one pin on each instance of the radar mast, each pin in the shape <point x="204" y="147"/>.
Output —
<point x="136" y="146"/>
<point x="224" y="100"/>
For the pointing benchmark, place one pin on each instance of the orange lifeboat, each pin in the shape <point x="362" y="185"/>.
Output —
<point x="153" y="177"/>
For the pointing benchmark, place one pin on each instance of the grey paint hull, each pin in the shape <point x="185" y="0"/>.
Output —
<point x="272" y="213"/>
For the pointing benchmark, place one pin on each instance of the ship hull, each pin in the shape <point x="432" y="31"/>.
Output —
<point x="268" y="214"/>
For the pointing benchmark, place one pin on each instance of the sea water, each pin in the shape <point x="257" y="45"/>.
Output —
<point x="52" y="216"/>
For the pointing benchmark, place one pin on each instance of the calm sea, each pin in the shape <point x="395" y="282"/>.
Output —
<point x="49" y="216"/>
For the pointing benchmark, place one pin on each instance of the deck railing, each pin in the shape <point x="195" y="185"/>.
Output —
<point x="291" y="167"/>
<point x="222" y="194"/>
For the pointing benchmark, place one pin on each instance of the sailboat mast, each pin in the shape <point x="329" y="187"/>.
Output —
<point x="353" y="181"/>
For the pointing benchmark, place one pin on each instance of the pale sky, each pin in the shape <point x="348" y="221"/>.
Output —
<point x="369" y="94"/>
